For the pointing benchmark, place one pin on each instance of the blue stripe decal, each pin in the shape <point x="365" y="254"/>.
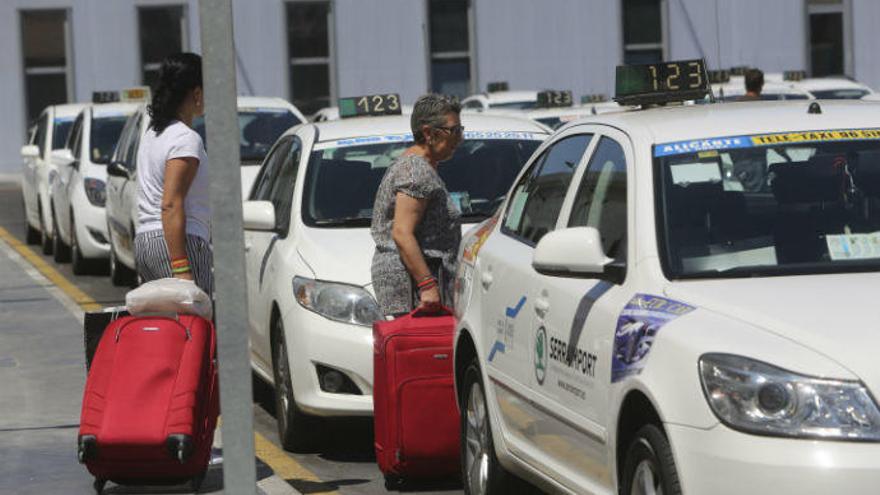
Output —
<point x="498" y="346"/>
<point x="580" y="316"/>
<point x="696" y="145"/>
<point x="512" y="312"/>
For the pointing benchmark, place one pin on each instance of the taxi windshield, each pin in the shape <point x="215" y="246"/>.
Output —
<point x="342" y="181"/>
<point x="770" y="205"/>
<point x="260" y="128"/>
<point x="104" y="134"/>
<point x="840" y="94"/>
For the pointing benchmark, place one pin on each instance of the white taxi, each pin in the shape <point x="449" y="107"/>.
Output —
<point x="79" y="191"/>
<point x="834" y="88"/>
<point x="637" y="319"/>
<point x="309" y="250"/>
<point x="49" y="133"/>
<point x="499" y="97"/>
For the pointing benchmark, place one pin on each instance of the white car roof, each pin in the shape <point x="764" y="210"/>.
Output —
<point x="770" y="88"/>
<point x="68" y="110"/>
<point x="332" y="113"/>
<point x="504" y="97"/>
<point x="269" y="102"/>
<point x="99" y="109"/>
<point x="871" y="97"/>
<point x="669" y="124"/>
<point x="829" y="83"/>
<point x="398" y="124"/>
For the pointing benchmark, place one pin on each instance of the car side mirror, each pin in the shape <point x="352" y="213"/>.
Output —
<point x="258" y="215"/>
<point x="575" y="252"/>
<point x="30" y="151"/>
<point x="117" y="169"/>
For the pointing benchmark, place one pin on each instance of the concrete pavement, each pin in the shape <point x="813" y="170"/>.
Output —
<point x="42" y="374"/>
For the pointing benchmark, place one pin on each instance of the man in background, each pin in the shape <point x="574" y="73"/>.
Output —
<point x="754" y="79"/>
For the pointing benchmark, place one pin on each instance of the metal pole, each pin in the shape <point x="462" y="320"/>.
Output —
<point x="221" y="124"/>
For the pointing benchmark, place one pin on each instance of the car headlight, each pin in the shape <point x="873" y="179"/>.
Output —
<point x="96" y="191"/>
<point x="756" y="397"/>
<point x="338" y="302"/>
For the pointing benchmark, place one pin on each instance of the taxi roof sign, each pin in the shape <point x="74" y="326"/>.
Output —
<point x="105" y="96"/>
<point x="496" y="86"/>
<point x="137" y="94"/>
<point x="370" y="105"/>
<point x="594" y="98"/>
<point x="794" y="75"/>
<point x="739" y="70"/>
<point x="719" y="76"/>
<point x="665" y="82"/>
<point x="554" y="99"/>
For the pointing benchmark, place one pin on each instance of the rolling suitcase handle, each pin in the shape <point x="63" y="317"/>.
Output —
<point x="441" y="311"/>
<point x="186" y="329"/>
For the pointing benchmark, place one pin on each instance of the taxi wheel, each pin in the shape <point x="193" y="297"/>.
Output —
<point x="78" y="262"/>
<point x="649" y="468"/>
<point x="481" y="473"/>
<point x="119" y="274"/>
<point x="60" y="251"/>
<point x="32" y="235"/>
<point x="296" y="429"/>
<point x="45" y="239"/>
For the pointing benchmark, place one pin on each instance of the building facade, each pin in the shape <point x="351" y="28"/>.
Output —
<point x="313" y="51"/>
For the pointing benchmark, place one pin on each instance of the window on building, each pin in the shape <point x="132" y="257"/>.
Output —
<point x="829" y="50"/>
<point x="450" y="43"/>
<point x="310" y="49"/>
<point x="45" y="36"/>
<point x="162" y="32"/>
<point x="643" y="31"/>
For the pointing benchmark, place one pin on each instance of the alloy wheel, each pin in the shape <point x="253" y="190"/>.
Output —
<point x="477" y="441"/>
<point x="645" y="480"/>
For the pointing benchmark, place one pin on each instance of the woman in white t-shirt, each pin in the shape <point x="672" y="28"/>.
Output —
<point x="174" y="213"/>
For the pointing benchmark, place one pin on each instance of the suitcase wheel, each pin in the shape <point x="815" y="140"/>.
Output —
<point x="87" y="448"/>
<point x="99" y="485"/>
<point x="196" y="482"/>
<point x="393" y="482"/>
<point x="179" y="446"/>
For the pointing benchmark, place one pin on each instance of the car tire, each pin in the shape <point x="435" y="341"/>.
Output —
<point x="79" y="264"/>
<point x="60" y="250"/>
<point x="649" y="467"/>
<point x="45" y="238"/>
<point x="296" y="429"/>
<point x="120" y="275"/>
<point x="481" y="473"/>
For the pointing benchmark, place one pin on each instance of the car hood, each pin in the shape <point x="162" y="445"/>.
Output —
<point x="835" y="315"/>
<point x="338" y="254"/>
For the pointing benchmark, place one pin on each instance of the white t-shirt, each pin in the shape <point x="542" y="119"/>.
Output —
<point x="176" y="141"/>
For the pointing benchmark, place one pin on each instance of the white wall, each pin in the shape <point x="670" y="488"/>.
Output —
<point x="866" y="35"/>
<point x="561" y="44"/>
<point x="380" y="47"/>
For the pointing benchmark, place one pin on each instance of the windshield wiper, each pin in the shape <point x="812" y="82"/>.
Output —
<point x="345" y="222"/>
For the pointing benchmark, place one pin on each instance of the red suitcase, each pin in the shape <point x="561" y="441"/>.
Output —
<point x="151" y="402"/>
<point x="415" y="413"/>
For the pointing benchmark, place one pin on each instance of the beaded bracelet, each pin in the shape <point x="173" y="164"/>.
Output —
<point x="182" y="269"/>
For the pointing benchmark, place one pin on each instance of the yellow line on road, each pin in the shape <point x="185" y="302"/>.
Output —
<point x="79" y="297"/>
<point x="281" y="463"/>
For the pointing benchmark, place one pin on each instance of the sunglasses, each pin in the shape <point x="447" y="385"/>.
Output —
<point x="455" y="129"/>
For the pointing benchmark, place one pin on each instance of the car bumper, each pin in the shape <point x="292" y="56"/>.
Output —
<point x="723" y="461"/>
<point x="314" y="340"/>
<point x="91" y="230"/>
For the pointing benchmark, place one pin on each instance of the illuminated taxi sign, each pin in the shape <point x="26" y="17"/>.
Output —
<point x="136" y="94"/>
<point x="595" y="98"/>
<point x="664" y="82"/>
<point x="553" y="99"/>
<point x="357" y="106"/>
<point x="794" y="75"/>
<point x="739" y="70"/>
<point x="719" y="76"/>
<point x="105" y="96"/>
<point x="494" y="87"/>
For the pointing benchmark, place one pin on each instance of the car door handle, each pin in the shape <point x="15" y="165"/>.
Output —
<point x="486" y="279"/>
<point x="542" y="306"/>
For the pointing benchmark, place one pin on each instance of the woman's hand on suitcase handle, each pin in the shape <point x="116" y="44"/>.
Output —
<point x="429" y="299"/>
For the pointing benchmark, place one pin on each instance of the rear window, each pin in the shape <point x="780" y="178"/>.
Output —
<point x="259" y="129"/>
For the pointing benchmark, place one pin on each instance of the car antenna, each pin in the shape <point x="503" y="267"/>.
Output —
<point x="814" y="108"/>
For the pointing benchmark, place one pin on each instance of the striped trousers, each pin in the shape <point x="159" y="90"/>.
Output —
<point x="153" y="262"/>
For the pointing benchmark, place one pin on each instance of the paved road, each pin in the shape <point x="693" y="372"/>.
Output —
<point x="345" y="464"/>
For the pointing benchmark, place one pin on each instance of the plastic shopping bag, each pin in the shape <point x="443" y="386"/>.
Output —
<point x="169" y="295"/>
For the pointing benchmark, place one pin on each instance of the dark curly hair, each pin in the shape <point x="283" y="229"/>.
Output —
<point x="180" y="73"/>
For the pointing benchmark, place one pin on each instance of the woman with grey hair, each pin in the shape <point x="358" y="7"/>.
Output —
<point x="416" y="224"/>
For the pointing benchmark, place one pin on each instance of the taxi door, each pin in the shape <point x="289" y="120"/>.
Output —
<point x="506" y="279"/>
<point x="274" y="183"/>
<point x="574" y="331"/>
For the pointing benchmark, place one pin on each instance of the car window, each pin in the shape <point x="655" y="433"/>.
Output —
<point x="103" y="135"/>
<point x="259" y="129"/>
<point x="121" y="147"/>
<point x="133" y="144"/>
<point x="60" y="131"/>
<point x="40" y="138"/>
<point x="600" y="201"/>
<point x="262" y="188"/>
<point x="73" y="139"/>
<point x="282" y="188"/>
<point x="473" y="104"/>
<point x="537" y="199"/>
